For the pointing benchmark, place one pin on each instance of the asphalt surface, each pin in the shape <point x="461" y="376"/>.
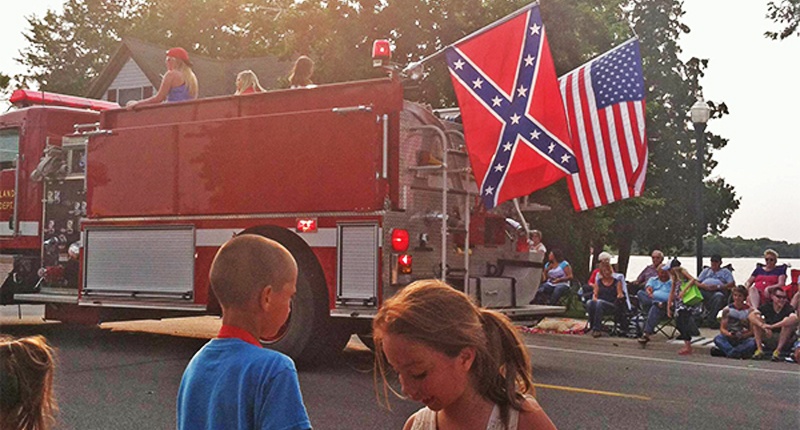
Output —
<point x="126" y="376"/>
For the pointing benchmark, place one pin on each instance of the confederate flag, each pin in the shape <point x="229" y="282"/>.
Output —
<point x="514" y="122"/>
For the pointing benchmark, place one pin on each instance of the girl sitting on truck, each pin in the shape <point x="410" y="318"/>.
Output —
<point x="179" y="84"/>
<point x="466" y="364"/>
<point x="247" y="83"/>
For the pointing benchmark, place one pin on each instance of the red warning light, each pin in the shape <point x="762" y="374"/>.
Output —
<point x="306" y="225"/>
<point x="400" y="240"/>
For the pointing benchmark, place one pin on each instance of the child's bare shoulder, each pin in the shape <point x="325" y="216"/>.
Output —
<point x="532" y="416"/>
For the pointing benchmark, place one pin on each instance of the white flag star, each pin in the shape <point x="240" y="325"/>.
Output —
<point x="535" y="134"/>
<point x="535" y="29"/>
<point x="459" y="64"/>
<point x="515" y="119"/>
<point x="499" y="168"/>
<point x="488" y="190"/>
<point x="477" y="83"/>
<point x="522" y="91"/>
<point x="507" y="147"/>
<point x="496" y="101"/>
<point x="529" y="60"/>
<point x="565" y="158"/>
<point x="551" y="148"/>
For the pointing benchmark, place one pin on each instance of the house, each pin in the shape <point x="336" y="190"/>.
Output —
<point x="135" y="70"/>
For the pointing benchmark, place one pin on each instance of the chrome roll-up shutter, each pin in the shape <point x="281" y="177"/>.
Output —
<point x="139" y="261"/>
<point x="358" y="262"/>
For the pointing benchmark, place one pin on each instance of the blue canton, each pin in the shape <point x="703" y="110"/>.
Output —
<point x="617" y="76"/>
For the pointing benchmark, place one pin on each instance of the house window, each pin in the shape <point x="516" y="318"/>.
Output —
<point x="128" y="94"/>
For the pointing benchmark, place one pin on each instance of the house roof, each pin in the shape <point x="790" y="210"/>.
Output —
<point x="216" y="77"/>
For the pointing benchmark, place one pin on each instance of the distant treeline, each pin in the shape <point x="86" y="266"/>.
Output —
<point x="739" y="247"/>
<point x="734" y="247"/>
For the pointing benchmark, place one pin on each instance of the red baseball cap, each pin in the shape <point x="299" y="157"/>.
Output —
<point x="179" y="53"/>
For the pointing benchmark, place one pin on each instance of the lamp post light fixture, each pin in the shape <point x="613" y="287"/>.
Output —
<point x="700" y="113"/>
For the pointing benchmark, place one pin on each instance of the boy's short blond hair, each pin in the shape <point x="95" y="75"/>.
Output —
<point x="245" y="265"/>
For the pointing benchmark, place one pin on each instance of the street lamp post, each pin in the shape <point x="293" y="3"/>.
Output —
<point x="700" y="114"/>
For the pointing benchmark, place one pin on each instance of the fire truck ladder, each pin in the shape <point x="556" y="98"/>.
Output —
<point x="444" y="169"/>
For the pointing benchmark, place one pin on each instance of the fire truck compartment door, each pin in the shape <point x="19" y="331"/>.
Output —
<point x="358" y="263"/>
<point x="139" y="262"/>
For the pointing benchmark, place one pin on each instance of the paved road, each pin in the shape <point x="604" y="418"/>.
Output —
<point x="126" y="375"/>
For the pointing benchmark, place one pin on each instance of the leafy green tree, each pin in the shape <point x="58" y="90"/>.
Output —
<point x="787" y="13"/>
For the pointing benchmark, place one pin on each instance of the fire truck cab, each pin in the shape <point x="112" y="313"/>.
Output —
<point x="368" y="192"/>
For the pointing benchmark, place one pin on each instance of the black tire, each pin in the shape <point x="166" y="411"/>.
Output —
<point x="310" y="334"/>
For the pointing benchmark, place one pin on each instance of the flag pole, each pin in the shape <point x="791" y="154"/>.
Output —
<point x="522" y="218"/>
<point x="503" y="20"/>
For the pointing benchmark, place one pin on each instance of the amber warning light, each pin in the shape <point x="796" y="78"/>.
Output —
<point x="404" y="263"/>
<point x="306" y="225"/>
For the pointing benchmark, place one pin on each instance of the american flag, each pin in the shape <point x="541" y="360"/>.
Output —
<point x="605" y="102"/>
<point x="514" y="124"/>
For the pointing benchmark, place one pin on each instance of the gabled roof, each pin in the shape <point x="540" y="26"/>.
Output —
<point x="216" y="77"/>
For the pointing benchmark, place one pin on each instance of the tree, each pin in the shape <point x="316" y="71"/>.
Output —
<point x="787" y="13"/>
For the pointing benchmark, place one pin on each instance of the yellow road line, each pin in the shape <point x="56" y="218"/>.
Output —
<point x="587" y="391"/>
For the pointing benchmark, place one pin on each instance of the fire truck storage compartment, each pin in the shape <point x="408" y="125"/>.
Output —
<point x="139" y="262"/>
<point x="358" y="263"/>
<point x="493" y="292"/>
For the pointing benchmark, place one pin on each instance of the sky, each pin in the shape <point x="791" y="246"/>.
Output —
<point x="757" y="78"/>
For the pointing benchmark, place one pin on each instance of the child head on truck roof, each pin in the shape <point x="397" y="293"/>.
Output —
<point x="26" y="383"/>
<point x="247" y="83"/>
<point x="254" y="280"/>
<point x="301" y="72"/>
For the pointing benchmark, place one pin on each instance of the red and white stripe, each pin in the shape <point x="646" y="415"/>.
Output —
<point x="610" y="144"/>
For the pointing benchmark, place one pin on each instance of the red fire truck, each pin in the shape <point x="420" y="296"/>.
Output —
<point x="366" y="190"/>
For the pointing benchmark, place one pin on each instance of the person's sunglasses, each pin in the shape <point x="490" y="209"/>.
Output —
<point x="780" y="297"/>
<point x="770" y="259"/>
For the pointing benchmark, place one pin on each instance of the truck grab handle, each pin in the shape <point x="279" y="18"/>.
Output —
<point x="349" y="109"/>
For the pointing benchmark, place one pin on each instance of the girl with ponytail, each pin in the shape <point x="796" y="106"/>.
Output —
<point x="26" y="383"/>
<point x="468" y="365"/>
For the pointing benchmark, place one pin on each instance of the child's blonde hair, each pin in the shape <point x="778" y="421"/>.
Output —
<point x="444" y="319"/>
<point x="26" y="383"/>
<point x="189" y="77"/>
<point x="247" y="79"/>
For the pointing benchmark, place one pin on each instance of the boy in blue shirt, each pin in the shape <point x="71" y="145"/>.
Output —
<point x="232" y="382"/>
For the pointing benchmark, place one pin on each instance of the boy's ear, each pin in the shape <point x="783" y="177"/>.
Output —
<point x="264" y="297"/>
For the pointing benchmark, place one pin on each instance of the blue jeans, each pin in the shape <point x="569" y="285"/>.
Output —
<point x="655" y="311"/>
<point x="596" y="309"/>
<point x="713" y="301"/>
<point x="555" y="291"/>
<point x="734" y="348"/>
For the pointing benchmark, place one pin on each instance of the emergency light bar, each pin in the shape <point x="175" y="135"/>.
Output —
<point x="25" y="98"/>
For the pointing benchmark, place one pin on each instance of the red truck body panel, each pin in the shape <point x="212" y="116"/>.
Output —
<point x="202" y="158"/>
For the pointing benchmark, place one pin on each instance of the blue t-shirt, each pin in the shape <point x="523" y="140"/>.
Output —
<point x="660" y="289"/>
<point x="722" y="276"/>
<point x="231" y="384"/>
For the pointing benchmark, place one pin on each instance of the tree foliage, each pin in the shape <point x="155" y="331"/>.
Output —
<point x="787" y="14"/>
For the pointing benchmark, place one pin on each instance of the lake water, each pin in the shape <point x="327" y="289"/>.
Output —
<point x="742" y="267"/>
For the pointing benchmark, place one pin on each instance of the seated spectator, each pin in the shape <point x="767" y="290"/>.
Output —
<point x="26" y="383"/>
<point x="607" y="294"/>
<point x="735" y="339"/>
<point x="247" y="83"/>
<point x="714" y="282"/>
<point x="587" y="290"/>
<point x="556" y="276"/>
<point x="178" y="84"/>
<point x="777" y="314"/>
<point x="684" y="313"/>
<point x="535" y="243"/>
<point x="655" y="299"/>
<point x="764" y="279"/>
<point x="650" y="271"/>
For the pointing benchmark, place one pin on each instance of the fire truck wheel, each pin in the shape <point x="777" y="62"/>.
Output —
<point x="310" y="335"/>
